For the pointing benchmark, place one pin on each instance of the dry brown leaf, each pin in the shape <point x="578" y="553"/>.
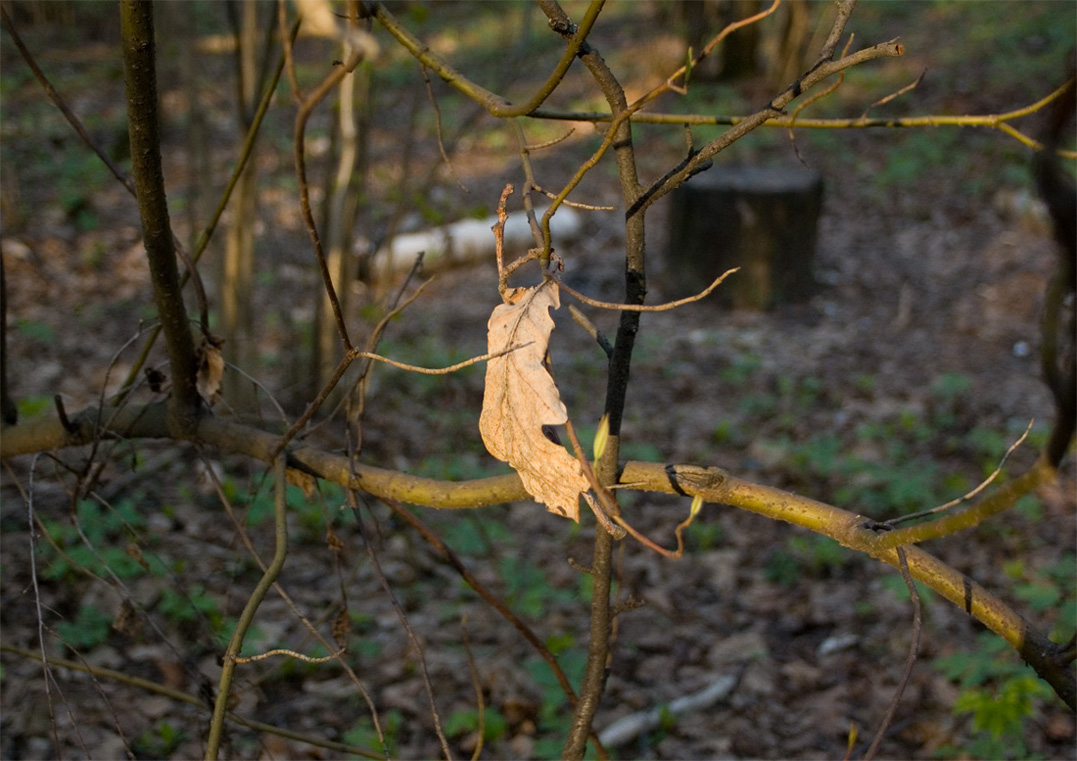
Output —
<point x="304" y="481"/>
<point x="520" y="398"/>
<point x="210" y="369"/>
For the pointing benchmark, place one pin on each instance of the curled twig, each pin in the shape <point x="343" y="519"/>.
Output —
<point x="305" y="109"/>
<point x="552" y="142"/>
<point x="291" y="654"/>
<point x="436" y="370"/>
<point x="646" y="307"/>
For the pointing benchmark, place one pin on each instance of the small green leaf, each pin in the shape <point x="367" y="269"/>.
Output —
<point x="602" y="436"/>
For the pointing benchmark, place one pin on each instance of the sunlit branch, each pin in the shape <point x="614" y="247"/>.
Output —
<point x="989" y="121"/>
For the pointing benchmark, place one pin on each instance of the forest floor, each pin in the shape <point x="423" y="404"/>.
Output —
<point x="898" y="385"/>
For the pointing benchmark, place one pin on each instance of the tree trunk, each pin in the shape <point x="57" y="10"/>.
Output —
<point x="761" y="220"/>
<point x="237" y="317"/>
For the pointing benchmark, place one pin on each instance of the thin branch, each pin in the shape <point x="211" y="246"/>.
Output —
<point x="190" y="699"/>
<point x="707" y="50"/>
<point x="1002" y="500"/>
<point x="713" y="485"/>
<point x="222" y="204"/>
<point x="355" y="354"/>
<point x="287" y="42"/>
<point x="892" y="96"/>
<point x="299" y="145"/>
<point x="991" y="121"/>
<point x="607" y="500"/>
<point x="972" y="493"/>
<point x="140" y="77"/>
<point x="573" y="204"/>
<point x="482" y="591"/>
<point x="910" y="658"/>
<point x="246" y="618"/>
<point x="403" y="618"/>
<point x="541" y="235"/>
<point x="646" y="307"/>
<point x="595" y="333"/>
<point x="551" y="142"/>
<point x="357" y="399"/>
<point x="437" y="128"/>
<point x="476" y="683"/>
<point x="493" y="103"/>
<point x="438" y="370"/>
<point x="54" y="96"/>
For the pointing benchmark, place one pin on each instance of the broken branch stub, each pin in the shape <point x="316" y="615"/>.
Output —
<point x="521" y="397"/>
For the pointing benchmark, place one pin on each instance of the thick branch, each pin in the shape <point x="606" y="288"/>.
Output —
<point x="711" y="484"/>
<point x="998" y="121"/>
<point x="140" y="75"/>
<point x="594" y="678"/>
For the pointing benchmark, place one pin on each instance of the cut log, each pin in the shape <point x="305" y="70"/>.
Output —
<point x="762" y="220"/>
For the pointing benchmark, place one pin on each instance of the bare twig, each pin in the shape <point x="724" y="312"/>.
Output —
<point x="990" y="121"/>
<point x="301" y="117"/>
<point x="246" y="618"/>
<point x="357" y="399"/>
<point x="969" y="495"/>
<point x="647" y="307"/>
<point x="910" y="658"/>
<point x="190" y="699"/>
<point x="495" y="104"/>
<point x="286" y="43"/>
<point x="603" y="495"/>
<point x="907" y="88"/>
<point x="54" y="96"/>
<point x="573" y="204"/>
<point x="403" y="618"/>
<point x="678" y="532"/>
<point x="552" y="142"/>
<point x="354" y="354"/>
<point x="291" y="654"/>
<point x="483" y="591"/>
<point x="437" y="128"/>
<point x="586" y="324"/>
<point x="480" y="702"/>
<point x="237" y="172"/>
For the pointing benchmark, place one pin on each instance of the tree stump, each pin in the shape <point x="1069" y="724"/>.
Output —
<point x="759" y="219"/>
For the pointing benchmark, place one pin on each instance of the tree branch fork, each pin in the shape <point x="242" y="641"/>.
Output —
<point x="712" y="485"/>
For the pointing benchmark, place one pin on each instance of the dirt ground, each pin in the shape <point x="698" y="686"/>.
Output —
<point x="892" y="388"/>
